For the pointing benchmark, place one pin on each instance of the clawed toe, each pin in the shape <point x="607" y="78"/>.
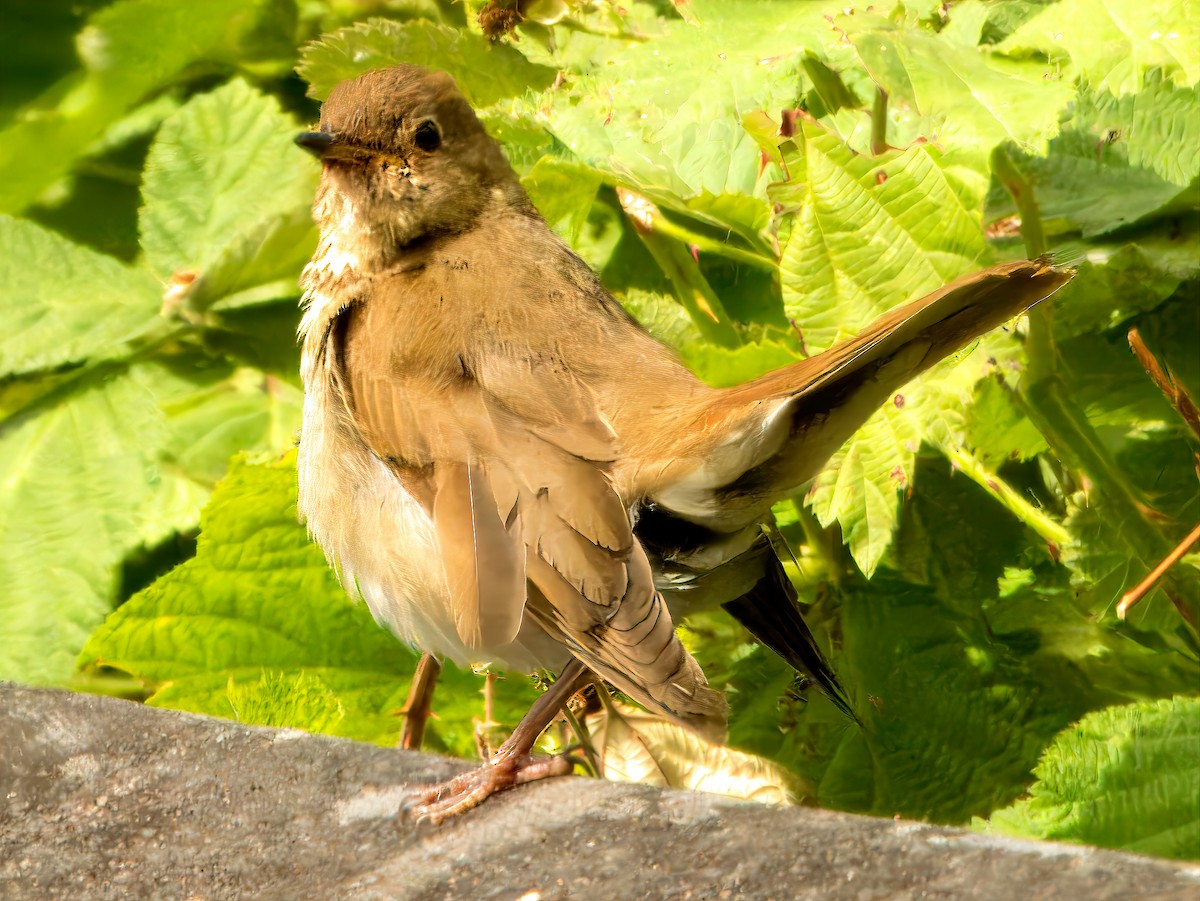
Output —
<point x="467" y="790"/>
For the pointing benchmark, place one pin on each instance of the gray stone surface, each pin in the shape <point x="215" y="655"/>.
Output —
<point x="109" y="799"/>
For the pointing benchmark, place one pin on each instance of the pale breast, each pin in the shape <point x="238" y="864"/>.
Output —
<point x="378" y="537"/>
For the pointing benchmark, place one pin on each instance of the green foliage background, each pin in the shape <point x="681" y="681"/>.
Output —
<point x="962" y="555"/>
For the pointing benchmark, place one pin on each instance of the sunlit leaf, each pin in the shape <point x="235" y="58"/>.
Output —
<point x="1124" y="777"/>
<point x="973" y="98"/>
<point x="635" y="746"/>
<point x="258" y="608"/>
<point x="63" y="303"/>
<point x="1113" y="43"/>
<point x="871" y="232"/>
<point x="75" y="476"/>
<point x="486" y="71"/>
<point x="226" y="197"/>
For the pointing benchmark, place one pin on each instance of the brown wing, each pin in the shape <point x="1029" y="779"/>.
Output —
<point x="516" y="460"/>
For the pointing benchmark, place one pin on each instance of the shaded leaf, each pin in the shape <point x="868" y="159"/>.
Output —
<point x="1118" y="162"/>
<point x="129" y="49"/>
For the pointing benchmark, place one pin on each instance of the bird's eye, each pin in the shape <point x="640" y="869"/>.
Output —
<point x="427" y="136"/>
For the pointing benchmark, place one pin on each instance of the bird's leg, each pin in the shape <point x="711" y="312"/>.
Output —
<point x="513" y="763"/>
<point x="485" y="728"/>
<point x="420" y="700"/>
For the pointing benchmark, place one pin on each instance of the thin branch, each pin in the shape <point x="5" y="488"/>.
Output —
<point x="1174" y="392"/>
<point x="1132" y="597"/>
<point x="1066" y="428"/>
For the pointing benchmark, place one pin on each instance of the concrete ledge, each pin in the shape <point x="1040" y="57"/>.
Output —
<point x="108" y="799"/>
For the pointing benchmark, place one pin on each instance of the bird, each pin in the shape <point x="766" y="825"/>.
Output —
<point x="508" y="469"/>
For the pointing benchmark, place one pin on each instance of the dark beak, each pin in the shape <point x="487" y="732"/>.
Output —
<point x="316" y="142"/>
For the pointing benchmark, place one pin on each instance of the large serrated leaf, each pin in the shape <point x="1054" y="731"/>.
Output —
<point x="1113" y="43"/>
<point x="259" y="609"/>
<point x="75" y="476"/>
<point x="1125" y="777"/>
<point x="486" y="71"/>
<point x="872" y="232"/>
<point x="128" y="50"/>
<point x="1118" y="162"/>
<point x="226" y="195"/>
<point x="955" y="715"/>
<point x="973" y="98"/>
<point x="662" y="114"/>
<point x="860" y="488"/>
<point x="63" y="303"/>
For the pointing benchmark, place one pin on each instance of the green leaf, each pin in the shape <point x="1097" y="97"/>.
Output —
<point x="1159" y="127"/>
<point x="349" y="704"/>
<point x="226" y="197"/>
<point x="716" y="365"/>
<point x="1160" y="469"/>
<point x="563" y="192"/>
<point x="213" y="411"/>
<point x="860" y="487"/>
<point x="486" y="71"/>
<point x="76" y="474"/>
<point x="954" y="536"/>
<point x="64" y="303"/>
<point x="1118" y="162"/>
<point x="128" y="50"/>
<point x="1125" y="777"/>
<point x="662" y="114"/>
<point x="871" y="232"/>
<point x="1117" y="281"/>
<point x="259" y="609"/>
<point x="998" y="429"/>
<point x="948" y="692"/>
<point x="973" y="98"/>
<point x="1113" y="43"/>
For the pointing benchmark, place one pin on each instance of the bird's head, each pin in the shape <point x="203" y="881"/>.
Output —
<point x="404" y="158"/>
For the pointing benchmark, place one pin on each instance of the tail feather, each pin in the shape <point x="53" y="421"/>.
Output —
<point x="769" y="611"/>
<point x="947" y="319"/>
<point x="792" y="420"/>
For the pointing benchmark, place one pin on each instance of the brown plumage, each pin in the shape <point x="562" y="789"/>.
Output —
<point x="505" y="465"/>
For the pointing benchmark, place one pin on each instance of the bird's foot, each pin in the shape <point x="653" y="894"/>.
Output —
<point x="472" y="788"/>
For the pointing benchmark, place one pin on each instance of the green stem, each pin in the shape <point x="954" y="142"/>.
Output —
<point x="825" y="544"/>
<point x="1045" y="526"/>
<point x="681" y="269"/>
<point x="879" y="142"/>
<point x="572" y="24"/>
<point x="1066" y="428"/>
<point x="1023" y="196"/>
<point x="704" y="244"/>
